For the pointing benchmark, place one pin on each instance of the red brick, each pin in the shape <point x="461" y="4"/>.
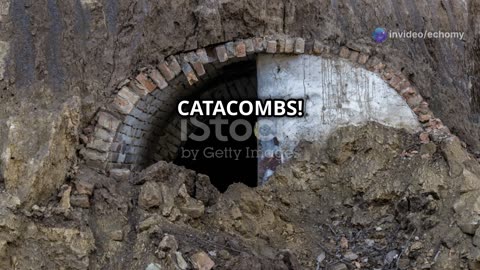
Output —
<point x="145" y="82"/>
<point x="123" y="105"/>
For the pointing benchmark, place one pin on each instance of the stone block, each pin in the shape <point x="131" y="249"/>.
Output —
<point x="271" y="46"/>
<point x="189" y="73"/>
<point x="249" y="45"/>
<point x="108" y="121"/>
<point x="221" y="53"/>
<point x="299" y="46"/>
<point x="167" y="73"/>
<point x="145" y="82"/>
<point x="344" y="52"/>
<point x="240" y="49"/>
<point x="289" y="45"/>
<point x="158" y="79"/>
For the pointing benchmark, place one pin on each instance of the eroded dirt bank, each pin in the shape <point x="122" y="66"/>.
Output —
<point x="374" y="198"/>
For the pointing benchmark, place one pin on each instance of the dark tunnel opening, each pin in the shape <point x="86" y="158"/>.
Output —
<point x="225" y="159"/>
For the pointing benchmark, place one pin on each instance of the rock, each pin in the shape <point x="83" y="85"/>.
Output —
<point x="205" y="191"/>
<point x="80" y="201"/>
<point x="84" y="188"/>
<point x="339" y="266"/>
<point x="154" y="266"/>
<point x="65" y="200"/>
<point x="181" y="263"/>
<point x="476" y="238"/>
<point x="350" y="256"/>
<point x="120" y="174"/>
<point x="471" y="182"/>
<point x="455" y="155"/>
<point x="150" y="195"/>
<point x="390" y="257"/>
<point x="169" y="243"/>
<point x="343" y="242"/>
<point x="193" y="208"/>
<point x="117" y="235"/>
<point x="35" y="161"/>
<point x="201" y="261"/>
<point x="148" y="223"/>
<point x="467" y="208"/>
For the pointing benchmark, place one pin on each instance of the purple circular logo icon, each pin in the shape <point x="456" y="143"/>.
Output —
<point x="379" y="34"/>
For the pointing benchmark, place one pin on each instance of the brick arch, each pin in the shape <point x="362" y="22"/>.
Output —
<point x="125" y="128"/>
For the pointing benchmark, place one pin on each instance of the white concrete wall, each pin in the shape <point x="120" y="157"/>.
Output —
<point x="336" y="93"/>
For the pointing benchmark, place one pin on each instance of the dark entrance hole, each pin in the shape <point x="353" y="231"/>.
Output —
<point x="225" y="161"/>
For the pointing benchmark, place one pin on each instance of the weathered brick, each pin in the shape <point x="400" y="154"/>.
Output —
<point x="289" y="45"/>
<point x="230" y="46"/>
<point x="108" y="121"/>
<point x="103" y="134"/>
<point x="317" y="47"/>
<point x="221" y="52"/>
<point x="129" y="95"/>
<point x="189" y="74"/>
<point x="166" y="72"/>
<point x="423" y="118"/>
<point x="271" y="46"/>
<point x="145" y="82"/>
<point x="354" y="56"/>
<point x="240" y="49"/>
<point x="344" y="52"/>
<point x="249" y="45"/>
<point x="158" y="79"/>
<point x="394" y="81"/>
<point x="174" y="65"/>
<point x="123" y="106"/>
<point x="299" y="46"/>
<point x="362" y="59"/>
<point x="259" y="44"/>
<point x="424" y="137"/>
<point x="202" y="56"/>
<point x="281" y="45"/>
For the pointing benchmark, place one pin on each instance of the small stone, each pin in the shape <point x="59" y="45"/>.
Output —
<point x="344" y="52"/>
<point x="350" y="256"/>
<point x="80" y="201"/>
<point x="181" y="263"/>
<point x="201" y="261"/>
<point x="154" y="266"/>
<point x="370" y="242"/>
<point x="65" y="200"/>
<point x="343" y="243"/>
<point x="390" y="257"/>
<point x="120" y="174"/>
<point x="321" y="257"/>
<point x="417" y="245"/>
<point x="317" y="47"/>
<point x="169" y="243"/>
<point x="362" y="59"/>
<point x="150" y="195"/>
<point x="354" y="56"/>
<point x="424" y="137"/>
<point x="193" y="208"/>
<point x="117" y="235"/>
<point x="339" y="266"/>
<point x="84" y="188"/>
